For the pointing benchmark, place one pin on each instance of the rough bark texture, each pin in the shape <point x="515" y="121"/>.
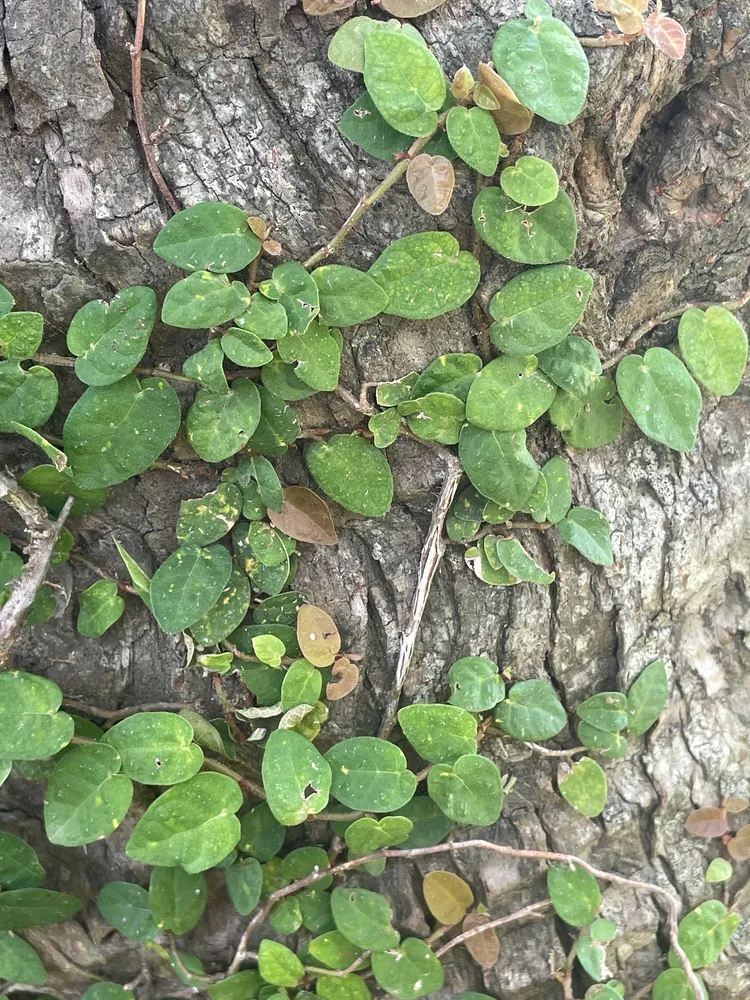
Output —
<point x="659" y="172"/>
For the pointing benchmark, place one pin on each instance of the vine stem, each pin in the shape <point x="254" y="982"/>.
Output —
<point x="533" y="910"/>
<point x="60" y="361"/>
<point x="139" y="111"/>
<point x="671" y="902"/>
<point x="733" y="305"/>
<point x="43" y="536"/>
<point x="607" y="40"/>
<point x="367" y="201"/>
<point x="116" y="714"/>
<point x="432" y="554"/>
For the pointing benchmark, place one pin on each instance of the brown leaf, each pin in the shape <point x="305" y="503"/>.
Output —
<point x="273" y="248"/>
<point x="739" y="846"/>
<point x="667" y="35"/>
<point x="317" y="635"/>
<point x="484" y="948"/>
<point x="409" y="8"/>
<point x="317" y="8"/>
<point x="736" y="805"/>
<point x="304" y="516"/>
<point x="463" y="83"/>
<point x="431" y="180"/>
<point x="344" y="679"/>
<point x="259" y="226"/>
<point x="447" y="896"/>
<point x="707" y="822"/>
<point x="512" y="117"/>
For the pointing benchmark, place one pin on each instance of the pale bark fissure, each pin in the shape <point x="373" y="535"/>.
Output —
<point x="659" y="174"/>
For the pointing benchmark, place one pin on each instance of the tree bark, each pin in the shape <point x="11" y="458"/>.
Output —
<point x="660" y="176"/>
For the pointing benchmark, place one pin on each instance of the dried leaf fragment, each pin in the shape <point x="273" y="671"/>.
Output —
<point x="707" y="822"/>
<point x="431" y="181"/>
<point x="484" y="948"/>
<point x="344" y="679"/>
<point x="305" y="516"/>
<point x="739" y="845"/>
<point x="410" y="8"/>
<point x="317" y="8"/>
<point x="317" y="635"/>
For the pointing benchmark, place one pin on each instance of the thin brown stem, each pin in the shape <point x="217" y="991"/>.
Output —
<point x="356" y="964"/>
<point x="139" y="111"/>
<point x="245" y="783"/>
<point x="361" y="405"/>
<point x="432" y="554"/>
<point x="544" y="752"/>
<point x="532" y="911"/>
<point x="607" y="41"/>
<point x="61" y="361"/>
<point x="367" y="201"/>
<point x="124" y="587"/>
<point x="116" y="714"/>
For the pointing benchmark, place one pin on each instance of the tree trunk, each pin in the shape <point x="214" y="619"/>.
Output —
<point x="660" y="176"/>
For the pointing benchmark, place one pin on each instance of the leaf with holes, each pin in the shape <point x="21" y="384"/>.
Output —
<point x="589" y="531"/>
<point x="537" y="309"/>
<point x="317" y="635"/>
<point x="647" y="697"/>
<point x="575" y="894"/>
<point x="405" y="82"/>
<point x="370" y="774"/>
<point x="297" y="778"/>
<point x="115" y="432"/>
<point x="543" y="235"/>
<point x="475" y="684"/>
<point x="156" y="748"/>
<point x="469" y="791"/>
<point x="204" y="300"/>
<point x="364" y="918"/>
<point x="31" y="727"/>
<point x="209" y="236"/>
<point x="532" y="711"/>
<point x="661" y="396"/>
<point x="100" y="606"/>
<point x="110" y="340"/>
<point x="584" y="786"/>
<point x="353" y="473"/>
<point x="499" y="465"/>
<point x="426" y="275"/>
<point x="188" y="584"/>
<point x="219" y="424"/>
<point x="714" y="346"/>
<point x="596" y="418"/>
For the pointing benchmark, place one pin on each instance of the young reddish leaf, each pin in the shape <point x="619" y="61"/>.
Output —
<point x="736" y="805"/>
<point x="317" y="8"/>
<point x="431" y="180"/>
<point x="344" y="679"/>
<point x="667" y="35"/>
<point x="304" y="516"/>
<point x="739" y="846"/>
<point x="707" y="822"/>
<point x="511" y="116"/>
<point x="484" y="948"/>
<point x="317" y="635"/>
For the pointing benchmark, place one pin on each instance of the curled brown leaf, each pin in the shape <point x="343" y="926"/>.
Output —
<point x="511" y="116"/>
<point x="344" y="679"/>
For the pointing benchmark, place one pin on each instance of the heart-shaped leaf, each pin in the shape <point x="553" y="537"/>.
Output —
<point x="474" y="135"/>
<point x="468" y="791"/>
<point x="353" y="473"/>
<point x="439" y="732"/>
<point x="450" y="373"/>
<point x="110" y="340"/>
<point x="126" y="906"/>
<point x="364" y="918"/>
<point x="31" y="727"/>
<point x="293" y="288"/>
<point x="706" y="931"/>
<point x="575" y="894"/>
<point x="405" y="81"/>
<point x="647" y="697"/>
<point x="100" y="606"/>
<point x="714" y="346"/>
<point x="348" y="296"/>
<point x="508" y="394"/>
<point x="475" y="684"/>
<point x="531" y="711"/>
<point x="206" y="367"/>
<point x="19" y="864"/>
<point x="54" y="487"/>
<point x="210" y="236"/>
<point x="187" y="584"/>
<point x="438" y="416"/>
<point x="370" y="773"/>
<point x="156" y="748"/>
<point x="661" y="396"/>
<point x="591" y="421"/>
<point x="584" y="786"/>
<point x="431" y="180"/>
<point x="210" y="517"/>
<point x="278" y="965"/>
<point x="541" y="235"/>
<point x="573" y="365"/>
<point x="27" y="396"/>
<point x="447" y="896"/>
<point x="204" y="300"/>
<point x="317" y="354"/>
<point x="218" y="425"/>
<point x="20" y="334"/>
<point x="530" y="181"/>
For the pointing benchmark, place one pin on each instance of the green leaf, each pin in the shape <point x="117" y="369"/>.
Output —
<point x="27" y="396"/>
<point x="385" y="427"/>
<point x="54" y="487"/>
<point x="43" y="607"/>
<point x="156" y="748"/>
<point x="315" y="906"/>
<point x="366" y="835"/>
<point x="209" y="236"/>
<point x="347" y="296"/>
<point x="499" y="465"/>
<point x="204" y="300"/>
<point x="537" y="309"/>
<point x="115" y="432"/>
<point x="408" y="971"/>
<point x="559" y="494"/>
<point x="405" y="82"/>
<point x="206" y="367"/>
<point x="262" y="835"/>
<point x="543" y="235"/>
<point x="474" y="136"/>
<point x="107" y="991"/>
<point x="294" y="289"/>
<point x="208" y="518"/>
<point x="609" y="744"/>
<point x="278" y="965"/>
<point x="191" y="824"/>
<point x="544" y="63"/>
<point x="269" y="650"/>
<point x="6" y="304"/>
<point x="246" y="348"/>
<point x="86" y="798"/>
<point x="718" y="871"/>
<point x="585" y="787"/>
<point x="177" y="898"/>
<point x="475" y="684"/>
<point x="347" y="47"/>
<point x="244" y="883"/>
<point x="425" y="275"/>
<point x="306" y="861"/>
<point x="438" y="416"/>
<point x="20" y="334"/>
<point x="353" y="473"/>
<point x="575" y="894"/>
<point x="530" y="181"/>
<point x="241" y="986"/>
<point x="573" y="364"/>
<point x="592" y="956"/>
<point x="194" y="973"/>
<point x="110" y="340"/>
<point x="219" y="424"/>
<point x="100" y="606"/>
<point x="714" y="346"/>
<point x="19" y="963"/>
<point x="672" y="984"/>
<point x="439" y="732"/>
<point x="302" y="685"/>
<point x="126" y="906"/>
<point x="317" y="354"/>
<point x="596" y="417"/>
<point x="430" y="824"/>
<point x="508" y="394"/>
<point x="608" y="711"/>
<point x="661" y="396"/>
<point x="647" y="697"/>
<point x="703" y="934"/>
<point x="532" y="711"/>
<point x="286" y="915"/>
<point x="31" y="727"/>
<point x="11" y="565"/>
<point x="603" y="930"/>
<point x="187" y="584"/>
<point x="469" y="791"/>
<point x="263" y="318"/>
<point x="19" y="865"/>
<point x="364" y="918"/>
<point x="21" y="908"/>
<point x="364" y="125"/>
<point x="449" y="373"/>
<point x="333" y="950"/>
<point x="512" y="556"/>
<point x="370" y="773"/>
<point x="296" y="777"/>
<point x="278" y="425"/>
<point x="588" y="531"/>
<point x="140" y="579"/>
